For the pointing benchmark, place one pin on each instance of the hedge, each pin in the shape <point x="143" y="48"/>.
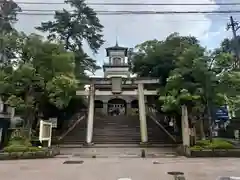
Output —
<point x="215" y="144"/>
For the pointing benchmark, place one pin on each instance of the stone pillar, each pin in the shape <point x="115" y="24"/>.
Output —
<point x="142" y="114"/>
<point x="90" y="115"/>
<point x="128" y="109"/>
<point x="105" y="108"/>
<point x="185" y="127"/>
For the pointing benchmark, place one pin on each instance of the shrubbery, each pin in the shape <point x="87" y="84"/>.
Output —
<point x="20" y="143"/>
<point x="21" y="148"/>
<point x="215" y="144"/>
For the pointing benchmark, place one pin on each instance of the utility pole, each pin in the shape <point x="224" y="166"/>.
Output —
<point x="234" y="26"/>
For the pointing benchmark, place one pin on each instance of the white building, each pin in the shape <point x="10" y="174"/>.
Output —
<point x="117" y="93"/>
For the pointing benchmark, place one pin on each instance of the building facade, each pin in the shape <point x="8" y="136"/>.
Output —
<point x="117" y="93"/>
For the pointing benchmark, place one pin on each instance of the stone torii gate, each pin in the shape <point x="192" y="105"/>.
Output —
<point x="115" y="86"/>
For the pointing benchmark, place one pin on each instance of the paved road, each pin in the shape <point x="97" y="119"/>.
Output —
<point x="114" y="168"/>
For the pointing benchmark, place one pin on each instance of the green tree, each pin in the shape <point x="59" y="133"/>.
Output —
<point x="8" y="17"/>
<point x="190" y="75"/>
<point x="44" y="70"/>
<point x="157" y="58"/>
<point x="192" y="84"/>
<point x="9" y="10"/>
<point x="230" y="46"/>
<point x="72" y="28"/>
<point x="202" y="81"/>
<point x="61" y="90"/>
<point x="229" y="83"/>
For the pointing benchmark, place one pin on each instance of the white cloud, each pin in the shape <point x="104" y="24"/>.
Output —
<point x="134" y="29"/>
<point x="213" y="39"/>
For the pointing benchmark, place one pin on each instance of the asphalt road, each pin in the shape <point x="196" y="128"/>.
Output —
<point x="115" y="168"/>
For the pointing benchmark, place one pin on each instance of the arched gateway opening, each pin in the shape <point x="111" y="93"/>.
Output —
<point x="117" y="107"/>
<point x="98" y="104"/>
<point x="134" y="104"/>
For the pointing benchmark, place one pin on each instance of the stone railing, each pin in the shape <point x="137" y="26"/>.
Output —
<point x="153" y="113"/>
<point x="151" y="109"/>
<point x="74" y="118"/>
<point x="74" y="122"/>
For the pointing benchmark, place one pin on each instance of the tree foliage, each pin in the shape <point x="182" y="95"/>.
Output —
<point x="157" y="58"/>
<point x="36" y="73"/>
<point x="8" y="16"/>
<point x="43" y="70"/>
<point x="190" y="74"/>
<point x="73" y="28"/>
<point x="61" y="89"/>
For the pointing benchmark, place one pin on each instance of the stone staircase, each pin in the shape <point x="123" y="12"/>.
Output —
<point x="126" y="130"/>
<point x="159" y="120"/>
<point x="117" y="130"/>
<point x="77" y="135"/>
<point x="156" y="135"/>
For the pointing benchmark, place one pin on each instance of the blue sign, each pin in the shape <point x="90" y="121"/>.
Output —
<point x="222" y="113"/>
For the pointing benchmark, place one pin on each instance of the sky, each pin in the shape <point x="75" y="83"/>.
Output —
<point x="135" y="29"/>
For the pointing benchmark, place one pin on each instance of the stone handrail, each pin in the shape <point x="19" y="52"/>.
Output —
<point x="73" y="125"/>
<point x="153" y="110"/>
<point x="152" y="113"/>
<point x="74" y="118"/>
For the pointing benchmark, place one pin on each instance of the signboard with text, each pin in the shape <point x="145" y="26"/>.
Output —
<point x="221" y="113"/>
<point x="54" y="122"/>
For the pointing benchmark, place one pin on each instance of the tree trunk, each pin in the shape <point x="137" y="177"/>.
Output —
<point x="210" y="123"/>
<point x="201" y="128"/>
<point x="30" y="111"/>
<point x="194" y="135"/>
<point x="28" y="123"/>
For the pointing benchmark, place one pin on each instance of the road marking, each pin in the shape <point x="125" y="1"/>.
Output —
<point x="124" y="179"/>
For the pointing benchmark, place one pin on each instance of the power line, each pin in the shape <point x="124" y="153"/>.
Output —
<point x="134" y="12"/>
<point x="136" y="4"/>
<point x="123" y="14"/>
<point x="119" y="14"/>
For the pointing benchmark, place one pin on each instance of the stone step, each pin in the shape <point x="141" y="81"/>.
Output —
<point x="119" y="152"/>
<point x="118" y="145"/>
<point x="108" y="138"/>
<point x="116" y="139"/>
<point x="82" y="143"/>
<point x="117" y="130"/>
<point x="116" y="135"/>
<point x="115" y="127"/>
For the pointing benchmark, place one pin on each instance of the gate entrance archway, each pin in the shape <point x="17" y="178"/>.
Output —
<point x="116" y="107"/>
